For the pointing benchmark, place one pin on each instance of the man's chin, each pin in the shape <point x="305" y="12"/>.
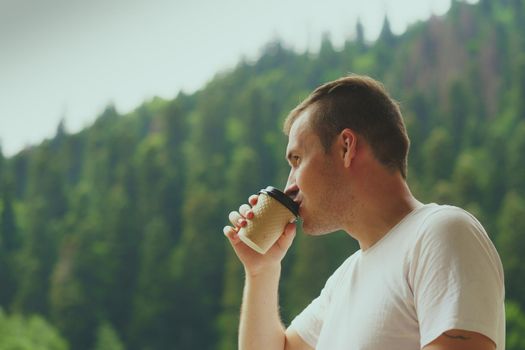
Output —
<point x="314" y="230"/>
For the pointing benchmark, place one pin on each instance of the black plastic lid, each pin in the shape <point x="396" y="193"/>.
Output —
<point x="283" y="198"/>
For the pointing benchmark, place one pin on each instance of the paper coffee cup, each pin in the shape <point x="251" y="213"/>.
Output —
<point x="273" y="211"/>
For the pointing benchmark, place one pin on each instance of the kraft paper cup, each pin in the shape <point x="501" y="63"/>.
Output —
<point x="273" y="211"/>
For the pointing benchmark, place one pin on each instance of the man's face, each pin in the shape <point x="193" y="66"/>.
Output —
<point x="315" y="179"/>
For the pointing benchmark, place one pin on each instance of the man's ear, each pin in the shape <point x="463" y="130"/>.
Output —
<point x="348" y="139"/>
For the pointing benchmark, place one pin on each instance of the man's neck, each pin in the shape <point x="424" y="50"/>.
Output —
<point x="382" y="205"/>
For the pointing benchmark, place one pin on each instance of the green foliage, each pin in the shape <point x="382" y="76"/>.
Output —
<point x="511" y="244"/>
<point x="28" y="333"/>
<point x="515" y="153"/>
<point x="438" y="156"/>
<point x="114" y="233"/>
<point x="515" y="326"/>
<point x="9" y="244"/>
<point x="107" y="338"/>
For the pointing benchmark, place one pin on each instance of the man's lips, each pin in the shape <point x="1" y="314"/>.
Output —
<point x="300" y="211"/>
<point x="294" y="195"/>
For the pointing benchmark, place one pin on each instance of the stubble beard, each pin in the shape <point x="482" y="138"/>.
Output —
<point x="334" y="207"/>
<point x="328" y="217"/>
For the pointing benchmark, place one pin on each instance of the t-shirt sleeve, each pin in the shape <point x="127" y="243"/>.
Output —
<point x="457" y="278"/>
<point x="309" y="322"/>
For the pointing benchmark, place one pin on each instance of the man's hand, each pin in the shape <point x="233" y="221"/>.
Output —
<point x="253" y="262"/>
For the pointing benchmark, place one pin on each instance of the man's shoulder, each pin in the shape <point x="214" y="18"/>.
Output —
<point x="432" y="217"/>
<point x="446" y="225"/>
<point x="448" y="216"/>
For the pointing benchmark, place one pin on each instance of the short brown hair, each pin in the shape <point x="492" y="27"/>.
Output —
<point x="362" y="104"/>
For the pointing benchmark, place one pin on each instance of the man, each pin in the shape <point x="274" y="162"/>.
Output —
<point x="426" y="276"/>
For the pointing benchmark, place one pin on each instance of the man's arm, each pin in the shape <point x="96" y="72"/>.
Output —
<point x="295" y="342"/>
<point x="260" y="324"/>
<point x="457" y="339"/>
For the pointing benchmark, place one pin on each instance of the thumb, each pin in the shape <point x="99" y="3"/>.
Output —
<point x="285" y="241"/>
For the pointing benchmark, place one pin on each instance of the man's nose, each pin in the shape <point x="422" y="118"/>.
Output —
<point x="289" y="182"/>
<point x="291" y="188"/>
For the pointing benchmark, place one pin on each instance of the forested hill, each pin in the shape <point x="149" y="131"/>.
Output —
<point x="114" y="234"/>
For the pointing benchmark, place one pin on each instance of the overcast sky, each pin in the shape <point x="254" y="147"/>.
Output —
<point x="68" y="59"/>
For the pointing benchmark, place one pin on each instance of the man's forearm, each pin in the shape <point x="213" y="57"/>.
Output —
<point x="261" y="326"/>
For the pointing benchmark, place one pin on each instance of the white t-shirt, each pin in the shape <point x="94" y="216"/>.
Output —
<point x="436" y="270"/>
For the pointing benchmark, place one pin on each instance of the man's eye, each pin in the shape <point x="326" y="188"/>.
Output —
<point x="294" y="160"/>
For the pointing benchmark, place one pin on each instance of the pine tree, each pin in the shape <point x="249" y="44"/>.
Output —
<point x="150" y="326"/>
<point x="360" y="36"/>
<point x="9" y="237"/>
<point x="515" y="326"/>
<point x="386" y="36"/>
<point x="511" y="244"/>
<point x="43" y="232"/>
<point x="384" y="52"/>
<point x="9" y="245"/>
<point x="107" y="338"/>
<point x="438" y="156"/>
<point x="514" y="156"/>
<point x="520" y="77"/>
